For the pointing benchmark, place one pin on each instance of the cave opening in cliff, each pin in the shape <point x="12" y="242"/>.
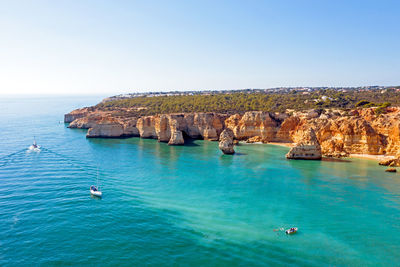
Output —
<point x="188" y="139"/>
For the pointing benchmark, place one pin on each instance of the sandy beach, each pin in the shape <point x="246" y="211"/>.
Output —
<point x="360" y="156"/>
<point x="281" y="144"/>
<point x="372" y="157"/>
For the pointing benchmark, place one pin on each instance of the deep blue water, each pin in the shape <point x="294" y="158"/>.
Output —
<point x="181" y="206"/>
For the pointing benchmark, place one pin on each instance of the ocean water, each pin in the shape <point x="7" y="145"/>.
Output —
<point x="181" y="206"/>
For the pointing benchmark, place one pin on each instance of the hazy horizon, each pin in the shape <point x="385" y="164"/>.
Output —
<point x="110" y="48"/>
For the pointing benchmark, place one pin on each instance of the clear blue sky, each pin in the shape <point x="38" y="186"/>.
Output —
<point x="120" y="46"/>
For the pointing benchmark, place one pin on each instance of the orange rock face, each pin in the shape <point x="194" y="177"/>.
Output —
<point x="349" y="135"/>
<point x="76" y="114"/>
<point x="253" y="123"/>
<point x="339" y="133"/>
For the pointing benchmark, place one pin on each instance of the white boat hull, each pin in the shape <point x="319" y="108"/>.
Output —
<point x="96" y="193"/>
<point x="33" y="148"/>
<point x="288" y="232"/>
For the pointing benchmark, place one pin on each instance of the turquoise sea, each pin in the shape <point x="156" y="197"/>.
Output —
<point x="181" y="206"/>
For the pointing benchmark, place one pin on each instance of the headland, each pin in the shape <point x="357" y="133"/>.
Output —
<point x="352" y="122"/>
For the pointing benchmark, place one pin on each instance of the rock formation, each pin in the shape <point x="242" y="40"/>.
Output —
<point x="107" y="129"/>
<point x="307" y="148"/>
<point x="338" y="132"/>
<point x="256" y="139"/>
<point x="146" y="127"/>
<point x="393" y="162"/>
<point x="176" y="138"/>
<point x="226" y="141"/>
<point x="207" y="126"/>
<point x="254" y="123"/>
<point x="76" y="114"/>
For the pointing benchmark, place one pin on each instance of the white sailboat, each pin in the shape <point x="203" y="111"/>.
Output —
<point x="34" y="146"/>
<point x="95" y="189"/>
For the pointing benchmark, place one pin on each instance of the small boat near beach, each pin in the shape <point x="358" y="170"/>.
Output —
<point x="291" y="231"/>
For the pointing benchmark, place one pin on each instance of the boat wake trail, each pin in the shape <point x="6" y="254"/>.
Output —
<point x="7" y="159"/>
<point x="70" y="160"/>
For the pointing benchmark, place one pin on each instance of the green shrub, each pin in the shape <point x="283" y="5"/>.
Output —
<point x="362" y="103"/>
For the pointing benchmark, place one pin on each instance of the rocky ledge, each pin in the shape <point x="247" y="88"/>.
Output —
<point x="394" y="162"/>
<point x="338" y="133"/>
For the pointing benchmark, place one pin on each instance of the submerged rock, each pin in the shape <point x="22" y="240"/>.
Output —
<point x="226" y="142"/>
<point x="307" y="148"/>
<point x="391" y="170"/>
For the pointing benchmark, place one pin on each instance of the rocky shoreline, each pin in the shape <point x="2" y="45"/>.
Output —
<point x="335" y="133"/>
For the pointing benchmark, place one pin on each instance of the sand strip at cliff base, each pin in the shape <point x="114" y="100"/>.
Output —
<point x="281" y="144"/>
<point x="360" y="156"/>
<point x="372" y="157"/>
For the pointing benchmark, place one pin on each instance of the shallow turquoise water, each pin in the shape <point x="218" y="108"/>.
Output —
<point x="189" y="205"/>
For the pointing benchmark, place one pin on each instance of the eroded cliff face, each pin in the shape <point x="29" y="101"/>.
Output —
<point x="252" y="124"/>
<point x="106" y="126"/>
<point x="76" y="114"/>
<point x="207" y="126"/>
<point x="169" y="128"/>
<point x="338" y="133"/>
<point x="307" y="148"/>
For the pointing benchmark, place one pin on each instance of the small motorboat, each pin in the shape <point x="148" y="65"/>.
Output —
<point x="291" y="231"/>
<point x="95" y="192"/>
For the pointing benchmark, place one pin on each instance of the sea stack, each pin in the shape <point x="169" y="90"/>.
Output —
<point x="226" y="142"/>
<point x="176" y="138"/>
<point x="307" y="148"/>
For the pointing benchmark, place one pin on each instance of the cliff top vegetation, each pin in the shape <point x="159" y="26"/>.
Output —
<point x="241" y="102"/>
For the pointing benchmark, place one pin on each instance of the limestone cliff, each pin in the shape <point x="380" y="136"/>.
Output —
<point x="169" y="128"/>
<point x="76" y="114"/>
<point x="251" y="124"/>
<point x="338" y="132"/>
<point x="147" y="127"/>
<point x="206" y="126"/>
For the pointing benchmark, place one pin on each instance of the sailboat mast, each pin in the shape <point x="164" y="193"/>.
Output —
<point x="97" y="182"/>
